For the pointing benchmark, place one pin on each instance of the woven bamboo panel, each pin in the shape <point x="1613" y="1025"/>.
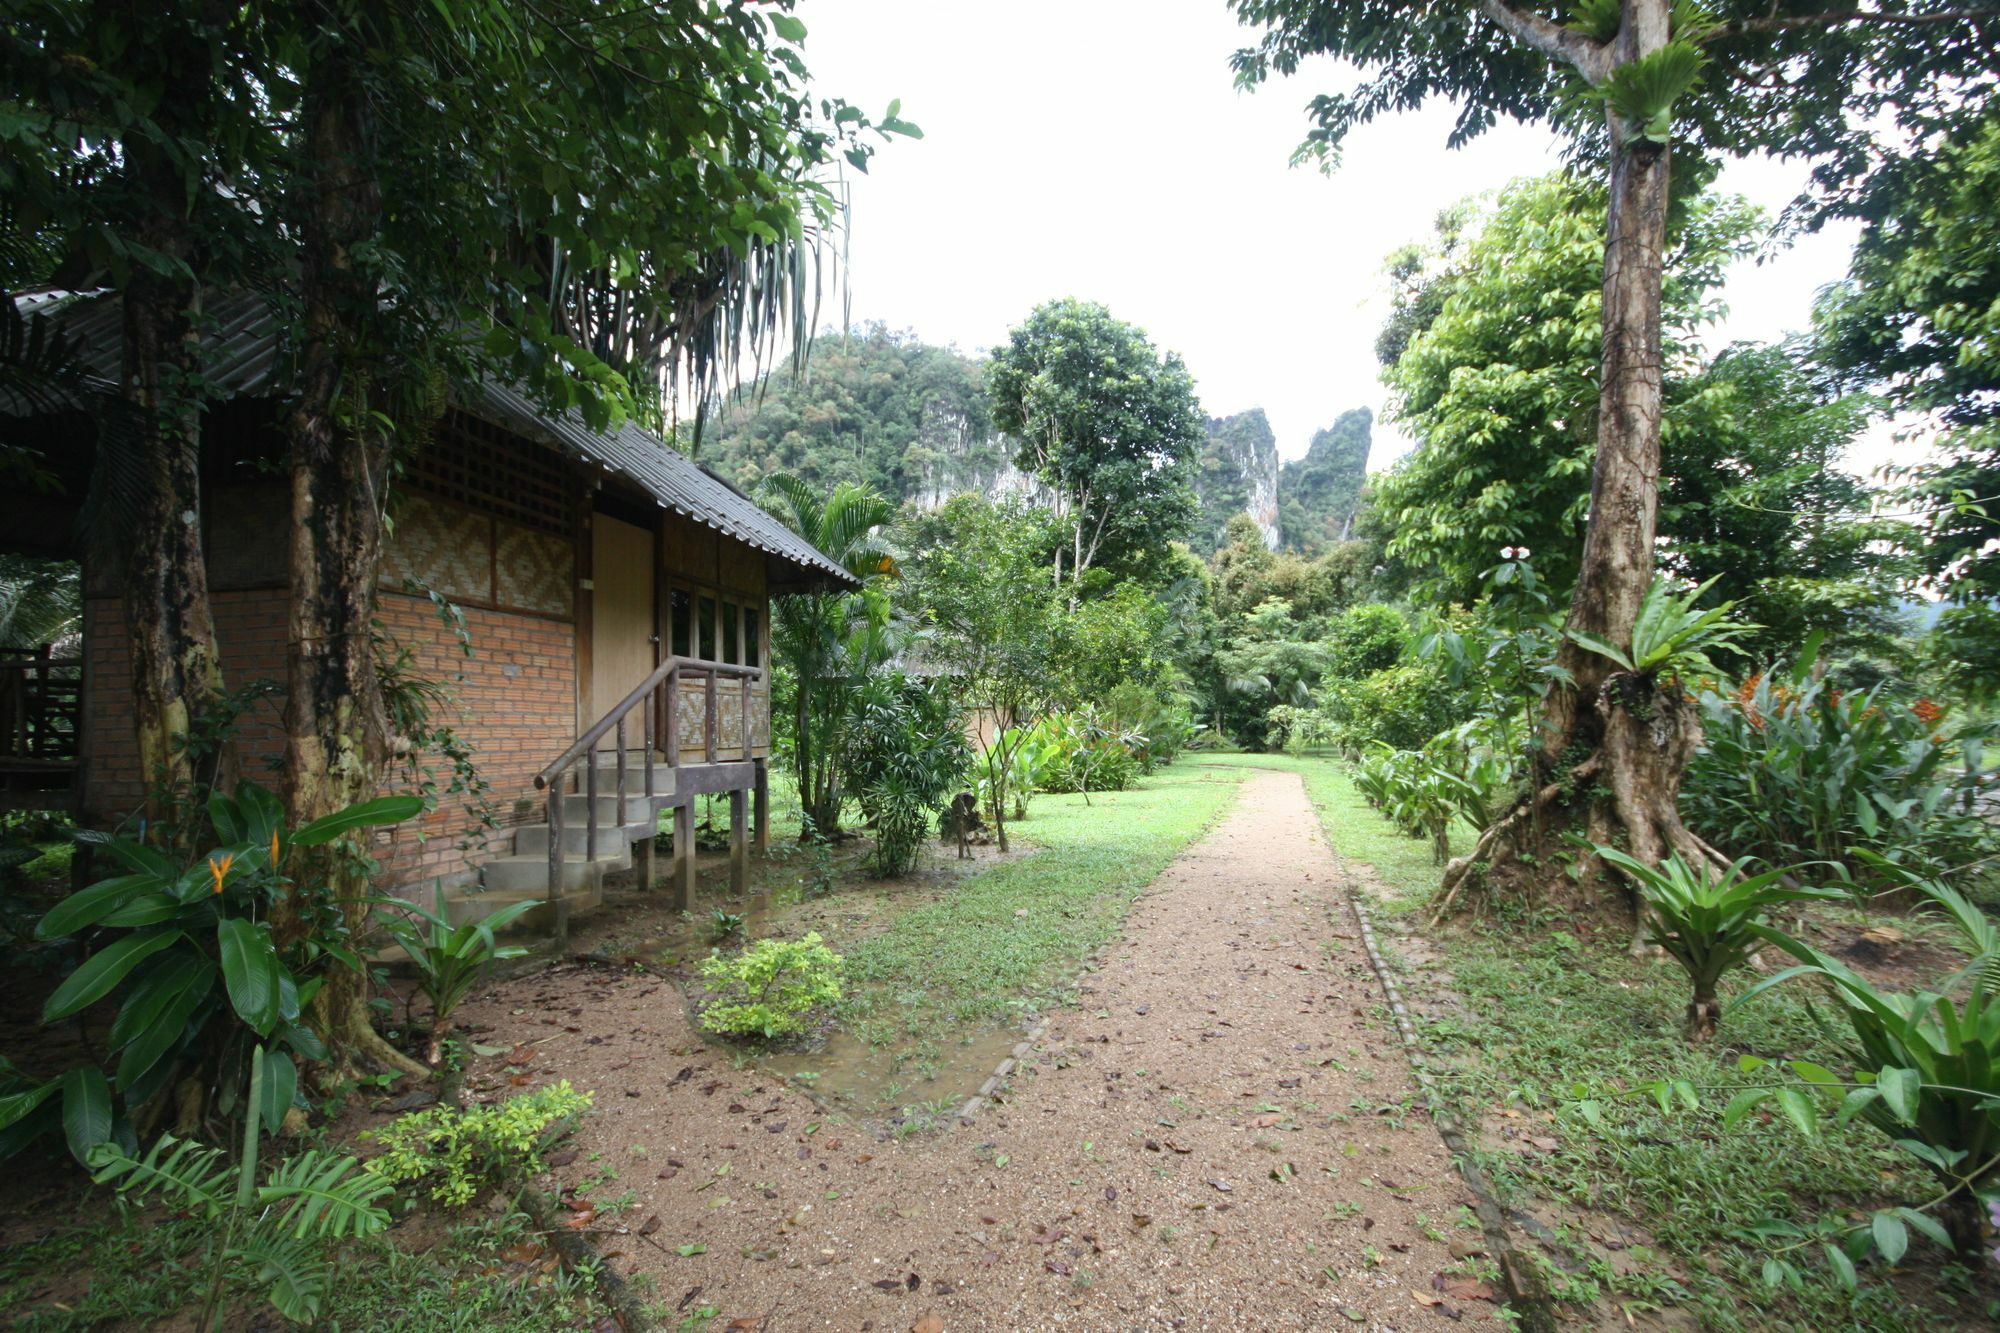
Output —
<point x="442" y="545"/>
<point x="536" y="570"/>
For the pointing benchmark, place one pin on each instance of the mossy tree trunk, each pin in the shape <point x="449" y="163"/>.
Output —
<point x="176" y="671"/>
<point x="336" y="730"/>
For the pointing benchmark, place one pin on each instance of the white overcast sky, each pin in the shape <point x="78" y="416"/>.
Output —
<point x="1098" y="149"/>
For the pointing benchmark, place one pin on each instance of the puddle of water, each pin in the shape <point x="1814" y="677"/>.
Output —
<point x="851" y="1075"/>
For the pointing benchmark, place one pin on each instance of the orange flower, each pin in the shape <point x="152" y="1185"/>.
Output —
<point x="1926" y="711"/>
<point x="274" y="849"/>
<point x="219" y="867"/>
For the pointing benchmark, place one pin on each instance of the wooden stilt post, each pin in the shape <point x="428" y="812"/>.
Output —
<point x="683" y="890"/>
<point x="761" y="808"/>
<point x="643" y="869"/>
<point x="739" y="845"/>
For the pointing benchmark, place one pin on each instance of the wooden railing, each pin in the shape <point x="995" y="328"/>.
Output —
<point x="41" y="702"/>
<point x="657" y="701"/>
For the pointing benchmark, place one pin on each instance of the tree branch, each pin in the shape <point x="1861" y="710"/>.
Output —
<point x="1591" y="59"/>
<point x="1834" y="18"/>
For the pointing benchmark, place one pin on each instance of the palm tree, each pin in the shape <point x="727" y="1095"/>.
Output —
<point x="830" y="640"/>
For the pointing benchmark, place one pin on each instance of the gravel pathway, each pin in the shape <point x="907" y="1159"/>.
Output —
<point x="1224" y="1136"/>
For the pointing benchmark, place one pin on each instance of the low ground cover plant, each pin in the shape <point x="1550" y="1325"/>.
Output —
<point x="461" y="1153"/>
<point x="771" y="990"/>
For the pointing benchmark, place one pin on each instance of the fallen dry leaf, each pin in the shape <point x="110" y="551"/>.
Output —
<point x="930" y="1323"/>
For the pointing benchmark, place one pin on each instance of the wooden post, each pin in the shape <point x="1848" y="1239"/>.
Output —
<point x="739" y="849"/>
<point x="643" y="868"/>
<point x="761" y="824"/>
<point x="683" y="886"/>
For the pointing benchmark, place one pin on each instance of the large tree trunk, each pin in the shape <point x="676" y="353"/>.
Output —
<point x="1614" y="744"/>
<point x="176" y="672"/>
<point x="336" y="731"/>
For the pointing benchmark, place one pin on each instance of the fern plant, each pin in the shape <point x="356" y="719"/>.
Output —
<point x="277" y="1234"/>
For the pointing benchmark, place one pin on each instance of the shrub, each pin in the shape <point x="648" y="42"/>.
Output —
<point x="771" y="989"/>
<point x="1401" y="707"/>
<point x="1792" y="769"/>
<point x="463" y="1152"/>
<point x="903" y="754"/>
<point x="1078" y="752"/>
<point x="1926" y="1065"/>
<point x="1365" y="639"/>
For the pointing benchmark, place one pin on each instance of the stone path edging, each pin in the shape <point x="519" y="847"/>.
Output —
<point x="1524" y="1290"/>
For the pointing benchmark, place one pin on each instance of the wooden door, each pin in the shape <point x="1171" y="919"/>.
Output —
<point x="622" y="644"/>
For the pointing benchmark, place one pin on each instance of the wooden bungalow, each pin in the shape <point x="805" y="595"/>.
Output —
<point x="606" y="644"/>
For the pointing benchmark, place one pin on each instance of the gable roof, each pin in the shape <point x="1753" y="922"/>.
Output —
<point x="241" y="355"/>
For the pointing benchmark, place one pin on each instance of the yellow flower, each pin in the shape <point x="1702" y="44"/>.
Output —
<point x="219" y="867"/>
<point x="274" y="849"/>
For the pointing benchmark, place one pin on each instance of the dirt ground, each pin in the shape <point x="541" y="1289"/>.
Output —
<point x="1225" y="1135"/>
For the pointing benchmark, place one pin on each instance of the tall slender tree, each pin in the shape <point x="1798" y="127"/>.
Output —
<point x="1625" y="80"/>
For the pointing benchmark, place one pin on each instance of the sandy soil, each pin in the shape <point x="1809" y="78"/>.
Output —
<point x="1224" y="1136"/>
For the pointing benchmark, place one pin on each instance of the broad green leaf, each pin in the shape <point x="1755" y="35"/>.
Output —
<point x="86" y="1110"/>
<point x="1901" y="1089"/>
<point x="250" y="970"/>
<point x="1891" y="1237"/>
<point x="1799" y="1109"/>
<point x="15" y="1106"/>
<point x="1843" y="1267"/>
<point x="788" y="28"/>
<point x="102" y="972"/>
<point x="281" y="1084"/>
<point x="87" y="907"/>
<point x="381" y="810"/>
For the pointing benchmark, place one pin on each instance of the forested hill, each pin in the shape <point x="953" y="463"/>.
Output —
<point x="910" y="419"/>
<point x="877" y="406"/>
<point x="1239" y="475"/>
<point x="1319" y="494"/>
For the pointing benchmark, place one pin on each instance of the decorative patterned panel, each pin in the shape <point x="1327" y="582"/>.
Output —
<point x="691" y="714"/>
<point x="536" y="570"/>
<point x="442" y="545"/>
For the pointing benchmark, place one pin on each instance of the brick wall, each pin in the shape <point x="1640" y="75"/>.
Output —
<point x="516" y="698"/>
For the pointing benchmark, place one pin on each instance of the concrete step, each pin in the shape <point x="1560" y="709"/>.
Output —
<point x="530" y="874"/>
<point x="533" y="839"/>
<point x="638" y="810"/>
<point x="467" y="907"/>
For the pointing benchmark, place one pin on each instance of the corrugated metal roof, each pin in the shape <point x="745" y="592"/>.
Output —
<point x="669" y="476"/>
<point x="241" y="353"/>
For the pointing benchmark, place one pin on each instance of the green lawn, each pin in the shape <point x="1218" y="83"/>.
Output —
<point x="1009" y="941"/>
<point x="1552" y="1020"/>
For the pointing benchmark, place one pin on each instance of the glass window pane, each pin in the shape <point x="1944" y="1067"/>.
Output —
<point x="729" y="626"/>
<point x="706" y="628"/>
<point x="680" y="607"/>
